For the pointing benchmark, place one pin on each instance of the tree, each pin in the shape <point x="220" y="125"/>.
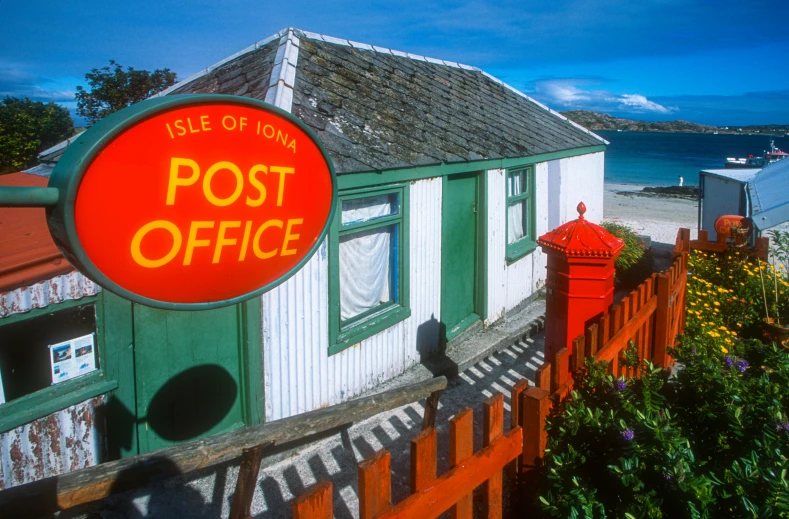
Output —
<point x="112" y="88"/>
<point x="28" y="128"/>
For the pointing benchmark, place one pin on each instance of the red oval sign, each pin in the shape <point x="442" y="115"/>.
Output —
<point x="723" y="224"/>
<point x="204" y="203"/>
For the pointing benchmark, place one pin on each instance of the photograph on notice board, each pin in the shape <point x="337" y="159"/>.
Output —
<point x="72" y="358"/>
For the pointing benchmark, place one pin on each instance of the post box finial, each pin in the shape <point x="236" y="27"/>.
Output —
<point x="581" y="210"/>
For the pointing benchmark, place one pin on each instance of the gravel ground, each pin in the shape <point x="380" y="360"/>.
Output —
<point x="208" y="493"/>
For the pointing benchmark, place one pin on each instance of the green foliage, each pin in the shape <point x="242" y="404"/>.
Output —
<point x="27" y="128"/>
<point x="112" y="88"/>
<point x="617" y="451"/>
<point x="780" y="246"/>
<point x="632" y="264"/>
<point x="710" y="440"/>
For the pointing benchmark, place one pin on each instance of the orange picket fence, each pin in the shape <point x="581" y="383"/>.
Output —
<point x="432" y="495"/>
<point x="650" y="317"/>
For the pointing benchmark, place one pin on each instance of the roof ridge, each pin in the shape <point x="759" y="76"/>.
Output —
<point x="382" y="50"/>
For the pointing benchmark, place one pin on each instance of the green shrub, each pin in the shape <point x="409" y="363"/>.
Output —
<point x="709" y="441"/>
<point x="633" y="264"/>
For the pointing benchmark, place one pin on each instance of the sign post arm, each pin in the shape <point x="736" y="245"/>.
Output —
<point x="28" y="196"/>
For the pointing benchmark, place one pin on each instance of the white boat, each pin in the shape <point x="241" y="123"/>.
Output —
<point x="774" y="155"/>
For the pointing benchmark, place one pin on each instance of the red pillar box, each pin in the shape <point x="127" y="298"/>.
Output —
<point x="580" y="283"/>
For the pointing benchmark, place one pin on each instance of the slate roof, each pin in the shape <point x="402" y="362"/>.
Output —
<point x="377" y="109"/>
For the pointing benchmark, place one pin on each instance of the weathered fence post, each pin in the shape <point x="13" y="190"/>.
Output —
<point x="423" y="460"/>
<point x="375" y="486"/>
<point x="461" y="447"/>
<point x="492" y="428"/>
<point x="662" y="318"/>
<point x="316" y="503"/>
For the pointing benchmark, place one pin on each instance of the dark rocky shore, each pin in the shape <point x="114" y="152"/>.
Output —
<point x="684" y="192"/>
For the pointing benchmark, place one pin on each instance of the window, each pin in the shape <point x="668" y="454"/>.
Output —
<point x="34" y="353"/>
<point x="368" y="262"/>
<point x="520" y="213"/>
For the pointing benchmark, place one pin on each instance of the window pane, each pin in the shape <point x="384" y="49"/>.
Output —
<point x="25" y="362"/>
<point x="369" y="208"/>
<point x="514" y="184"/>
<point x="367" y="270"/>
<point x="517" y="221"/>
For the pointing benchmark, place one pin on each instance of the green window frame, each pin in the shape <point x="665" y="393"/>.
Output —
<point x="51" y="399"/>
<point x="520" y="193"/>
<point x="344" y="333"/>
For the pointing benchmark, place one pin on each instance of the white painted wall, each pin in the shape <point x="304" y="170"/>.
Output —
<point x="560" y="185"/>
<point x="299" y="375"/>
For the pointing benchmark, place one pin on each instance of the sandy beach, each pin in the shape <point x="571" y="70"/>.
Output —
<point x="655" y="216"/>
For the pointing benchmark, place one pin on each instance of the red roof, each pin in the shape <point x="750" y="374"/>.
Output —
<point x="582" y="238"/>
<point x="27" y="253"/>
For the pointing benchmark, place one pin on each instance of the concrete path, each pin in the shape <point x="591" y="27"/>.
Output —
<point x="208" y="493"/>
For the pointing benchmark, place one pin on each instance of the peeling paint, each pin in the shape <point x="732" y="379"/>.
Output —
<point x="58" y="443"/>
<point x="56" y="290"/>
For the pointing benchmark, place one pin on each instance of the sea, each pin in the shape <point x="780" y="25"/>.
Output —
<point x="659" y="159"/>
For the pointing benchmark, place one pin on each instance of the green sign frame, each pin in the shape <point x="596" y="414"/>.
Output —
<point x="79" y="155"/>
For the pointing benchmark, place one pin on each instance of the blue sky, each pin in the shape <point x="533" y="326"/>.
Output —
<point x="723" y="62"/>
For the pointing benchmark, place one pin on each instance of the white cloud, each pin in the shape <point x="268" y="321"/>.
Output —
<point x="570" y="94"/>
<point x="641" y="103"/>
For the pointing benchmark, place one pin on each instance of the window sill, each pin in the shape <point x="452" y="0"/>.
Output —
<point x="519" y="249"/>
<point x="376" y="323"/>
<point x="52" y="399"/>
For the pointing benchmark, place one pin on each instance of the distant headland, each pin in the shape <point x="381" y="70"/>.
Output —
<point x="598" y="121"/>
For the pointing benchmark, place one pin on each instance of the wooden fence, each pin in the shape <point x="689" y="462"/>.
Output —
<point x="431" y="495"/>
<point x="685" y="244"/>
<point x="651" y="316"/>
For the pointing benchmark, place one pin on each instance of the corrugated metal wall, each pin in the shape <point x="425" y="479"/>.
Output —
<point x="299" y="375"/>
<point x="56" y="290"/>
<point x="64" y="441"/>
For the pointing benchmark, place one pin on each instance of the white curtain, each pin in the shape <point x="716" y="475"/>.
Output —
<point x="365" y="256"/>
<point x="515" y="223"/>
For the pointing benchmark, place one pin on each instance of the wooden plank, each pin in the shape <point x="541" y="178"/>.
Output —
<point x="562" y="366"/>
<point x="616" y="318"/>
<point x="458" y="481"/>
<point x="423" y="460"/>
<point x="515" y="397"/>
<point x="375" y="486"/>
<point x="431" y="411"/>
<point x="579" y="352"/>
<point x="247" y="481"/>
<point x="461" y="447"/>
<point x="592" y="334"/>
<point x="762" y="247"/>
<point x="703" y="236"/>
<point x="93" y="483"/>
<point x="605" y="332"/>
<point x="535" y="407"/>
<point x="315" y="503"/>
<point x="661" y="320"/>
<point x="542" y="377"/>
<point x="492" y="428"/>
<point x="621" y="337"/>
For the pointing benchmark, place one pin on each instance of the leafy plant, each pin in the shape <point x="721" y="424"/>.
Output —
<point x="112" y="88"/>
<point x="27" y="128"/>
<point x="632" y="252"/>
<point x="710" y="440"/>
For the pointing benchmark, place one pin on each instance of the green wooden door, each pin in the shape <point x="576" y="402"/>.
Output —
<point x="459" y="258"/>
<point x="190" y="374"/>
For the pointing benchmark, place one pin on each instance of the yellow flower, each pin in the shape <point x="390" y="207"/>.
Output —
<point x="724" y="350"/>
<point x="716" y="303"/>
